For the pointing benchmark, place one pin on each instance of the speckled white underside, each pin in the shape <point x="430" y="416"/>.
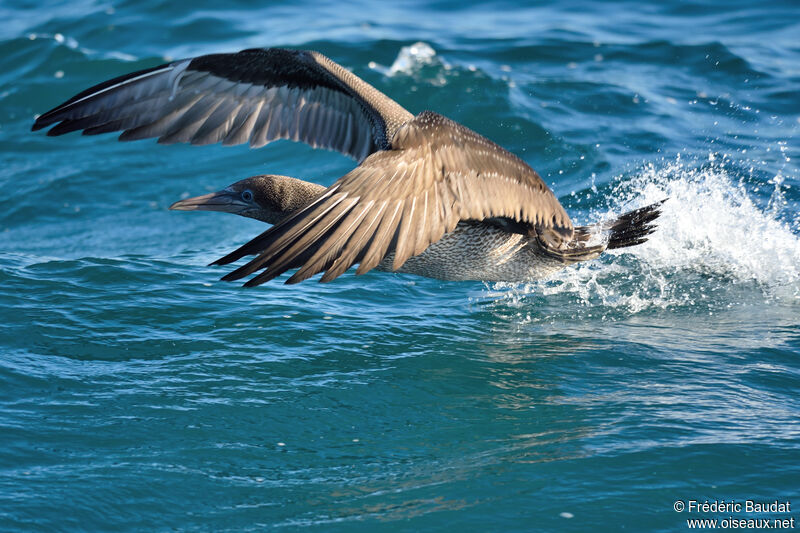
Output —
<point x="475" y="251"/>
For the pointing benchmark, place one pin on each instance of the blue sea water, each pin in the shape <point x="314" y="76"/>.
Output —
<point x="139" y="393"/>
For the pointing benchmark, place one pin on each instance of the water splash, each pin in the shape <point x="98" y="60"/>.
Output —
<point x="711" y="224"/>
<point x="410" y="59"/>
<point x="715" y="245"/>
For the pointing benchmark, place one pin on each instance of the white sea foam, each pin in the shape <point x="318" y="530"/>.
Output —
<point x="410" y="59"/>
<point x="711" y="224"/>
<point x="711" y="236"/>
<point x="72" y="43"/>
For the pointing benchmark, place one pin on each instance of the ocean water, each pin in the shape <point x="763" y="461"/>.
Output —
<point x="139" y="393"/>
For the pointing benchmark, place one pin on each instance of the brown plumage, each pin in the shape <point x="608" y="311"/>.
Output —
<point x="421" y="179"/>
<point x="494" y="249"/>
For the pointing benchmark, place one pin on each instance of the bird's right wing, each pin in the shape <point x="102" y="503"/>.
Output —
<point x="254" y="96"/>
<point x="401" y="200"/>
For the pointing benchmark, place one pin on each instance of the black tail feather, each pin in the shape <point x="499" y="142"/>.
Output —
<point x="633" y="228"/>
<point x="629" y="229"/>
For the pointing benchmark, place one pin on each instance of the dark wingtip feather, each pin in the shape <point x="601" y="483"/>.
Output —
<point x="263" y="278"/>
<point x="61" y="129"/>
<point x="47" y="119"/>
<point x="223" y="260"/>
<point x="252" y="247"/>
<point x="57" y="113"/>
<point x="235" y="275"/>
<point x="298" y="276"/>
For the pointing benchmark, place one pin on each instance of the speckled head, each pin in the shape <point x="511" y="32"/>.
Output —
<point x="267" y="197"/>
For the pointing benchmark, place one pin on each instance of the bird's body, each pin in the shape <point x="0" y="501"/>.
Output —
<point x="487" y="250"/>
<point x="480" y="251"/>
<point x="429" y="197"/>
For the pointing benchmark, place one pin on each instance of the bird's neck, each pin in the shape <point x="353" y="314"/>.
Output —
<point x="289" y="195"/>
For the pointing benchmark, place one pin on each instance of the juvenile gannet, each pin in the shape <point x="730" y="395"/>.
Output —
<point x="429" y="196"/>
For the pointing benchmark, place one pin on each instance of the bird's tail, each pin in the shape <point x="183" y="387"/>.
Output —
<point x="588" y="242"/>
<point x="633" y="227"/>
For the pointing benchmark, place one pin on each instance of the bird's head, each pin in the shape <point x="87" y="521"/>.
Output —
<point x="268" y="197"/>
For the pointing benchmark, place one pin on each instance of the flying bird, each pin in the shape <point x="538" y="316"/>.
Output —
<point x="429" y="196"/>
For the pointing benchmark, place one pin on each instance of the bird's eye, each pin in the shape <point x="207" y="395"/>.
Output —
<point x="247" y="195"/>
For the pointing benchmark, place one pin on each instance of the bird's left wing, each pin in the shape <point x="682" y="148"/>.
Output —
<point x="254" y="96"/>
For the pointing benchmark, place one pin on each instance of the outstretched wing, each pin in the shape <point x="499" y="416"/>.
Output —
<point x="254" y="96"/>
<point x="436" y="174"/>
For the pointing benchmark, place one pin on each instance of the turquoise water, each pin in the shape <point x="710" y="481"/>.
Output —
<point x="138" y="393"/>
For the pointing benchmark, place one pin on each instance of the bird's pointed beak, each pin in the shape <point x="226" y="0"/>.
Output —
<point x="224" y="201"/>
